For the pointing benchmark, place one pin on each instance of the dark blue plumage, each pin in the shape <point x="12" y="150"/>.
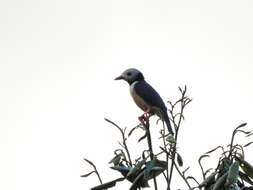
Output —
<point x="149" y="95"/>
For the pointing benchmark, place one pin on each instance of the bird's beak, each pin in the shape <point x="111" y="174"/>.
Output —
<point x="118" y="78"/>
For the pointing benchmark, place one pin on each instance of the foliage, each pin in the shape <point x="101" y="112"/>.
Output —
<point x="232" y="171"/>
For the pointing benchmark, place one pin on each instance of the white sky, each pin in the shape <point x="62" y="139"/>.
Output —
<point x="58" y="60"/>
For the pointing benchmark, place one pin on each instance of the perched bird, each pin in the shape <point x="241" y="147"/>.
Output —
<point x="145" y="96"/>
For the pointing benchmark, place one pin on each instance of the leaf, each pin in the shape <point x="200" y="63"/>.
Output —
<point x="247" y="188"/>
<point x="220" y="182"/>
<point x="200" y="158"/>
<point x="108" y="184"/>
<point x="209" y="180"/>
<point x="213" y="149"/>
<point x="137" y="167"/>
<point x="207" y="171"/>
<point x="185" y="170"/>
<point x="139" y="182"/>
<point x="233" y="186"/>
<point x="193" y="178"/>
<point x="116" y="159"/>
<point x="241" y="125"/>
<point x="203" y="156"/>
<point x="246" y="167"/>
<point x="86" y="175"/>
<point x="248" y="144"/>
<point x="187" y="101"/>
<point x="249" y="135"/>
<point x="122" y="169"/>
<point x="180" y="89"/>
<point x="154" y="168"/>
<point x="232" y="174"/>
<point x="90" y="162"/>
<point x="245" y="177"/>
<point x="149" y="166"/>
<point x="143" y="137"/>
<point x="245" y="132"/>
<point x="179" y="160"/>
<point x="225" y="164"/>
<point x="179" y="114"/>
<point x="170" y="139"/>
<point x="132" y="130"/>
<point x="109" y="121"/>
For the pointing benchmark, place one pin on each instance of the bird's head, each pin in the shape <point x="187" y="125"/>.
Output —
<point x="131" y="75"/>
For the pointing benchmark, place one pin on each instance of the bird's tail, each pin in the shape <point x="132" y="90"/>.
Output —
<point x="167" y="121"/>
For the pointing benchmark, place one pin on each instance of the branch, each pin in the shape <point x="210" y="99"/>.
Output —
<point x="180" y="173"/>
<point x="184" y="100"/>
<point x="233" y="136"/>
<point x="146" y="125"/>
<point x="95" y="170"/>
<point x="123" y="140"/>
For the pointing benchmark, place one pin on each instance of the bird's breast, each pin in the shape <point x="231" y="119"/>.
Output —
<point x="138" y="99"/>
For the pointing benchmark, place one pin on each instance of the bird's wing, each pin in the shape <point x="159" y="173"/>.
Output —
<point x="149" y="95"/>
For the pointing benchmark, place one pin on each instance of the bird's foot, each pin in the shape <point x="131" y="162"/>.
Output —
<point x="144" y="117"/>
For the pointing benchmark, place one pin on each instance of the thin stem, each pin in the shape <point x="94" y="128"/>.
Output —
<point x="184" y="101"/>
<point x="146" y="125"/>
<point x="176" y="135"/>
<point x="95" y="169"/>
<point x="180" y="173"/>
<point x="233" y="136"/>
<point x="123" y="140"/>
<point x="167" y="156"/>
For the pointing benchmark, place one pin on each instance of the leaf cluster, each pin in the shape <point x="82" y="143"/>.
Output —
<point x="233" y="172"/>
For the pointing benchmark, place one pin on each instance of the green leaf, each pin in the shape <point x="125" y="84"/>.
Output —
<point x="248" y="144"/>
<point x="209" y="180"/>
<point x="143" y="137"/>
<point x="116" y="159"/>
<point x="154" y="168"/>
<point x="179" y="160"/>
<point x="170" y="139"/>
<point x="245" y="177"/>
<point x="137" y="168"/>
<point x="108" y="184"/>
<point x="246" y="167"/>
<point x="247" y="188"/>
<point x="214" y="149"/>
<point x="122" y="169"/>
<point x="139" y="182"/>
<point x="240" y="126"/>
<point x="232" y="174"/>
<point x="233" y="186"/>
<point x="147" y="172"/>
<point x="220" y="182"/>
<point x="86" y="175"/>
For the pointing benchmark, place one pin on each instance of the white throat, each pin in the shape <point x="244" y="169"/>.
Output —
<point x="132" y="86"/>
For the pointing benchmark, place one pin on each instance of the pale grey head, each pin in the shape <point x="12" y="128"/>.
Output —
<point x="131" y="75"/>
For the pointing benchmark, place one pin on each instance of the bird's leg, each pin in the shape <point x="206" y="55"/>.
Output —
<point x="145" y="116"/>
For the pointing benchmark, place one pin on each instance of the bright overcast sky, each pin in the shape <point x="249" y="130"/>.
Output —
<point x="57" y="65"/>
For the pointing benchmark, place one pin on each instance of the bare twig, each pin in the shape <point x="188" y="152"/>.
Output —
<point x="95" y="169"/>
<point x="184" y="100"/>
<point x="178" y="170"/>
<point x="233" y="136"/>
<point x="146" y="125"/>
<point x="123" y="139"/>
<point x="202" y="170"/>
<point x="167" y="156"/>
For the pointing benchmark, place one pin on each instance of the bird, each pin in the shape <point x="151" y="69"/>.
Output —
<point x="145" y="96"/>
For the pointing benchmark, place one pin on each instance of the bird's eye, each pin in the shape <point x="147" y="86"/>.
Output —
<point x="129" y="74"/>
